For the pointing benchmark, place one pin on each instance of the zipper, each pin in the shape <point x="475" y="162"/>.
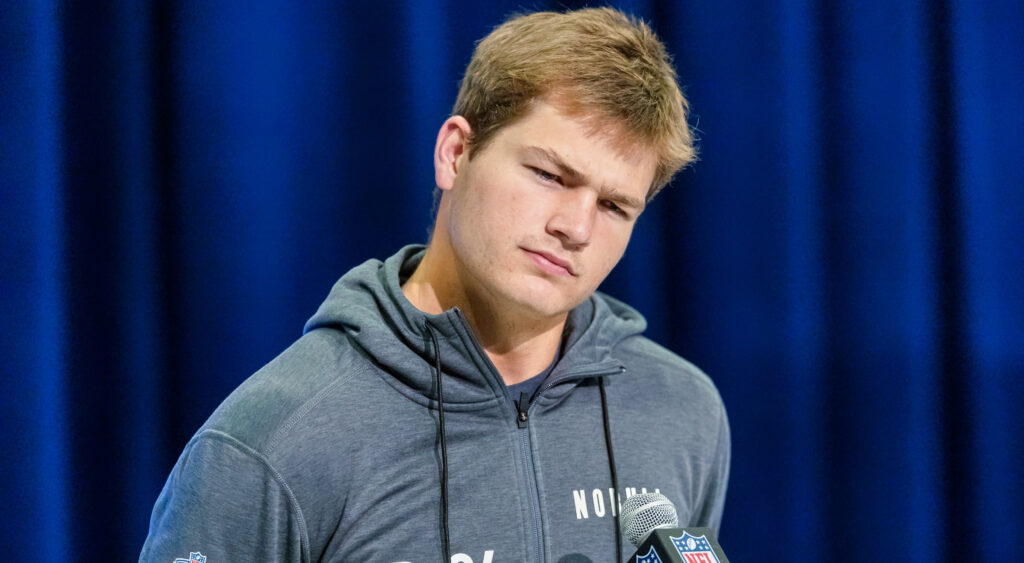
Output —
<point x="526" y="448"/>
<point x="523" y="406"/>
<point x="522" y="418"/>
<point x="534" y="538"/>
<point x="533" y="524"/>
<point x="524" y="402"/>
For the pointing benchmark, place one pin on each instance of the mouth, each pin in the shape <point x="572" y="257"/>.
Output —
<point x="550" y="263"/>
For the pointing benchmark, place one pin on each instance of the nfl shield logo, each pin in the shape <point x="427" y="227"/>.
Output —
<point x="194" y="557"/>
<point x="651" y="557"/>
<point x="694" y="549"/>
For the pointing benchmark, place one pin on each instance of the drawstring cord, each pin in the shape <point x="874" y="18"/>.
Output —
<point x="611" y="466"/>
<point x="444" y="448"/>
<point x="444" y="454"/>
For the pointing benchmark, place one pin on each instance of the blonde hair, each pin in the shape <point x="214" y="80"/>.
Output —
<point x="596" y="63"/>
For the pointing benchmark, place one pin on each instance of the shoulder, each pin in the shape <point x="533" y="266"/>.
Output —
<point x="274" y="401"/>
<point x="674" y="406"/>
<point x="658" y="373"/>
<point x="283" y="448"/>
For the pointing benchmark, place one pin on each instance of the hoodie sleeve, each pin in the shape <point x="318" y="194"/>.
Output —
<point x="226" y="502"/>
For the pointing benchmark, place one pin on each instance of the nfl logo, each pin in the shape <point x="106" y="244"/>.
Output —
<point x="651" y="557"/>
<point x="194" y="557"/>
<point x="694" y="549"/>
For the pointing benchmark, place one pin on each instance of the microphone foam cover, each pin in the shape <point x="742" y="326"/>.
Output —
<point x="643" y="513"/>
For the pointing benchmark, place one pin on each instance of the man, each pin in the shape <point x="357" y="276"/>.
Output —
<point x="477" y="400"/>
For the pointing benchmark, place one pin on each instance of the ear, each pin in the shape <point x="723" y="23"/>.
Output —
<point x="452" y="143"/>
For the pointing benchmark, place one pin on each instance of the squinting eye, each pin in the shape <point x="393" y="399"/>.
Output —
<point x="615" y="208"/>
<point x="545" y="175"/>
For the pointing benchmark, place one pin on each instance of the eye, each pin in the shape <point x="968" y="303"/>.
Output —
<point x="545" y="175"/>
<point x="611" y="206"/>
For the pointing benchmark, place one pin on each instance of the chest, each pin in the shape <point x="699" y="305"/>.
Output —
<point x="536" y="492"/>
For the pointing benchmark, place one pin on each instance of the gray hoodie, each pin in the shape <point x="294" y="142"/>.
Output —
<point x="332" y="451"/>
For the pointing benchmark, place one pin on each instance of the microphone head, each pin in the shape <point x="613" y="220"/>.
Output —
<point x="642" y="514"/>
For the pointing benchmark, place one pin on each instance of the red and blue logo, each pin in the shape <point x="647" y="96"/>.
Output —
<point x="194" y="557"/>
<point x="694" y="549"/>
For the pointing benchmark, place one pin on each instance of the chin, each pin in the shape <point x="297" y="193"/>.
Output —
<point x="546" y="304"/>
<point x="549" y="312"/>
<point x="537" y="296"/>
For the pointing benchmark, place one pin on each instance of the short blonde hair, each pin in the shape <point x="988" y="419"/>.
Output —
<point x="597" y="63"/>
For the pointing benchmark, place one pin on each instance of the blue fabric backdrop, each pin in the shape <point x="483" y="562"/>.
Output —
<point x="183" y="181"/>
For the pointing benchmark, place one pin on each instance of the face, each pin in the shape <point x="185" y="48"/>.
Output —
<point x="540" y="215"/>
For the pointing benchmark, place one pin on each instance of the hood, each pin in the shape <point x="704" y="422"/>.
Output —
<point x="368" y="305"/>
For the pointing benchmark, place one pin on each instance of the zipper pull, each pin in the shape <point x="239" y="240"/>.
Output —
<point x="524" y="404"/>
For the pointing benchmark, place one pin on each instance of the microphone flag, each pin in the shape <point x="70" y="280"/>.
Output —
<point x="680" y="545"/>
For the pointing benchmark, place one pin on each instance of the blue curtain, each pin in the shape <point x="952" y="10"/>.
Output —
<point x="183" y="181"/>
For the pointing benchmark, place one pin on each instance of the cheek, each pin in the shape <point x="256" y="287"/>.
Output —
<point x="617" y="238"/>
<point x="617" y="233"/>
<point x="493" y="208"/>
<point x="480" y="224"/>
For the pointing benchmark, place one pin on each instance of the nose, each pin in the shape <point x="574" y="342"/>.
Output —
<point x="573" y="219"/>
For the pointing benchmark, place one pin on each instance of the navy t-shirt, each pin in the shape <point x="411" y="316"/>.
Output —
<point x="530" y="386"/>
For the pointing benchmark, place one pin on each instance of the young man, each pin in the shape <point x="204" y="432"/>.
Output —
<point x="476" y="400"/>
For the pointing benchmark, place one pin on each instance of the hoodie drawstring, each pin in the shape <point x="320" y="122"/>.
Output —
<point x="444" y="448"/>
<point x="444" y="453"/>
<point x="611" y="464"/>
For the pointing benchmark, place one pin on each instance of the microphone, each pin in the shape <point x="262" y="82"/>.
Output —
<point x="649" y="522"/>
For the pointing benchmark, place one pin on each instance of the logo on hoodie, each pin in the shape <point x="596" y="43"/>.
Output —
<point x="599" y="501"/>
<point x="194" y="557"/>
<point x="463" y="558"/>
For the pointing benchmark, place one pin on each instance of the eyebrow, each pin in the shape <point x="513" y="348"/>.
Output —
<point x="567" y="170"/>
<point x="564" y="168"/>
<point x="623" y="200"/>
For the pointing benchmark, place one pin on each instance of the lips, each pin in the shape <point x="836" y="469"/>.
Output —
<point x="551" y="263"/>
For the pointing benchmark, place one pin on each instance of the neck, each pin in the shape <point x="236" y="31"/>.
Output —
<point x="519" y="346"/>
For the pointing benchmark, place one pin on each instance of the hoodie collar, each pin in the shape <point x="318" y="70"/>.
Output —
<point x="368" y="305"/>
